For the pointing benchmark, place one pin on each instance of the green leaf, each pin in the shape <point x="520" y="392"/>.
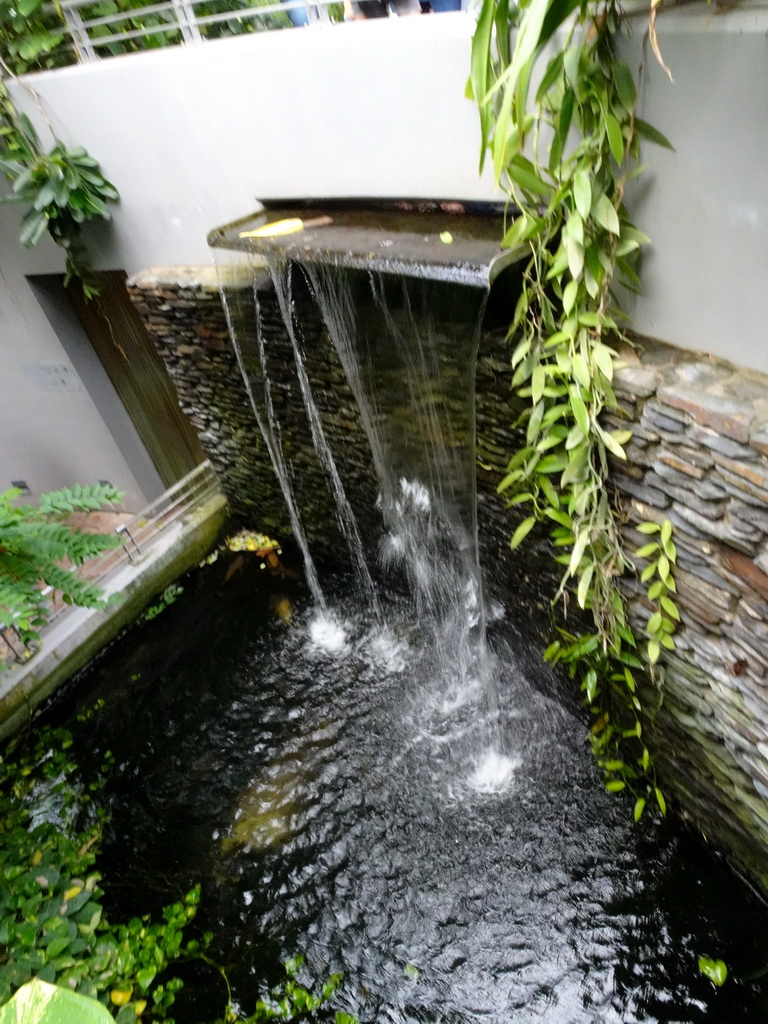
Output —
<point x="625" y="84"/>
<point x="603" y="357"/>
<point x="648" y="528"/>
<point x="523" y="173"/>
<point x="582" y="539"/>
<point x="521" y="532"/>
<point x="613" y="445"/>
<point x="660" y="800"/>
<point x="412" y="972"/>
<point x="571" y="63"/>
<point x="580" y="413"/>
<point x="538" y="381"/>
<point x="615" y="140"/>
<point x="550" y="76"/>
<point x="480" y="71"/>
<point x="652" y="134"/>
<point x="37" y="1002"/>
<point x="582" y="193"/>
<point x="582" y="591"/>
<point x="569" y="296"/>
<point x="501" y="20"/>
<point x="517" y="232"/>
<point x="574" y="255"/>
<point x="561" y="135"/>
<point x="647" y="549"/>
<point x="559" y="264"/>
<point x="33" y="228"/>
<point x="590" y="686"/>
<point x="528" y="37"/>
<point x="26" y="7"/>
<point x="639" y="808"/>
<point x="581" y="372"/>
<point x="606" y="215"/>
<point x="715" y="970"/>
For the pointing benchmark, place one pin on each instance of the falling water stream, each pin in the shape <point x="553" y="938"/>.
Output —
<point x="393" y="785"/>
<point x="408" y="348"/>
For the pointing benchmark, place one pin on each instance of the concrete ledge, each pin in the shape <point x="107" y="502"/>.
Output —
<point x="79" y="635"/>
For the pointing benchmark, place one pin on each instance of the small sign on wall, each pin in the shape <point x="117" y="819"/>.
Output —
<point x="52" y="376"/>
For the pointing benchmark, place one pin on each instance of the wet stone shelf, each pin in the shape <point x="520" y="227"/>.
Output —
<point x="433" y="241"/>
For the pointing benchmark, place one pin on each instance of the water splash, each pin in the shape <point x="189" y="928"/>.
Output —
<point x="494" y="773"/>
<point x="329" y="635"/>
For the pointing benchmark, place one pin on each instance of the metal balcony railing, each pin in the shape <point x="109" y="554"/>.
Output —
<point x="103" y="28"/>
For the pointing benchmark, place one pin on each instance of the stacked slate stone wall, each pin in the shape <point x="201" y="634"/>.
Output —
<point x="183" y="314"/>
<point x="699" y="457"/>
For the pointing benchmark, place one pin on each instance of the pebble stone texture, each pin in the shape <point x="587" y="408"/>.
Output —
<point x="699" y="457"/>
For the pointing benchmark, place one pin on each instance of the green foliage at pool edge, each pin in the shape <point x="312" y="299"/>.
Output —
<point x="558" y="118"/>
<point x="35" y="541"/>
<point x="52" y="923"/>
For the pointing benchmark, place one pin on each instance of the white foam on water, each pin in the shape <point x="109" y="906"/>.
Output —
<point x="458" y="695"/>
<point x="495" y="612"/>
<point x="494" y="772"/>
<point x="387" y="651"/>
<point x="415" y="495"/>
<point x="327" y="634"/>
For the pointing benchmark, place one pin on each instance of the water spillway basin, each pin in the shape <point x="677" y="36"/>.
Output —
<point x="301" y="775"/>
<point x="434" y="241"/>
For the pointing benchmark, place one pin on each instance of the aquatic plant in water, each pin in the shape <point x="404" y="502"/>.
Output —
<point x="53" y="928"/>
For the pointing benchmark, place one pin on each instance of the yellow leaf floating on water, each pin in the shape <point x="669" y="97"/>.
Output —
<point x="247" y="540"/>
<point x="446" y="237"/>
<point x="277" y="227"/>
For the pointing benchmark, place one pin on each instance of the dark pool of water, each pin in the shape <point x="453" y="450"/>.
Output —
<point x="326" y="810"/>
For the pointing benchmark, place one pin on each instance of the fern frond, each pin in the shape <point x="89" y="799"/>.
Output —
<point x="79" y="498"/>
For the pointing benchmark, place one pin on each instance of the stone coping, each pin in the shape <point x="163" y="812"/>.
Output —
<point x="726" y="398"/>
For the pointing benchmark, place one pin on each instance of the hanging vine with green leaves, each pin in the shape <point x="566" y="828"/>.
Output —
<point x="558" y="119"/>
<point x="63" y="188"/>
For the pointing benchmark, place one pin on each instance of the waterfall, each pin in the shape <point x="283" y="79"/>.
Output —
<point x="408" y="346"/>
<point x="281" y="271"/>
<point x="245" y="328"/>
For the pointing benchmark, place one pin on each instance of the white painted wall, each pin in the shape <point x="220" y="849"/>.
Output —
<point x="705" y="206"/>
<point x="194" y="136"/>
